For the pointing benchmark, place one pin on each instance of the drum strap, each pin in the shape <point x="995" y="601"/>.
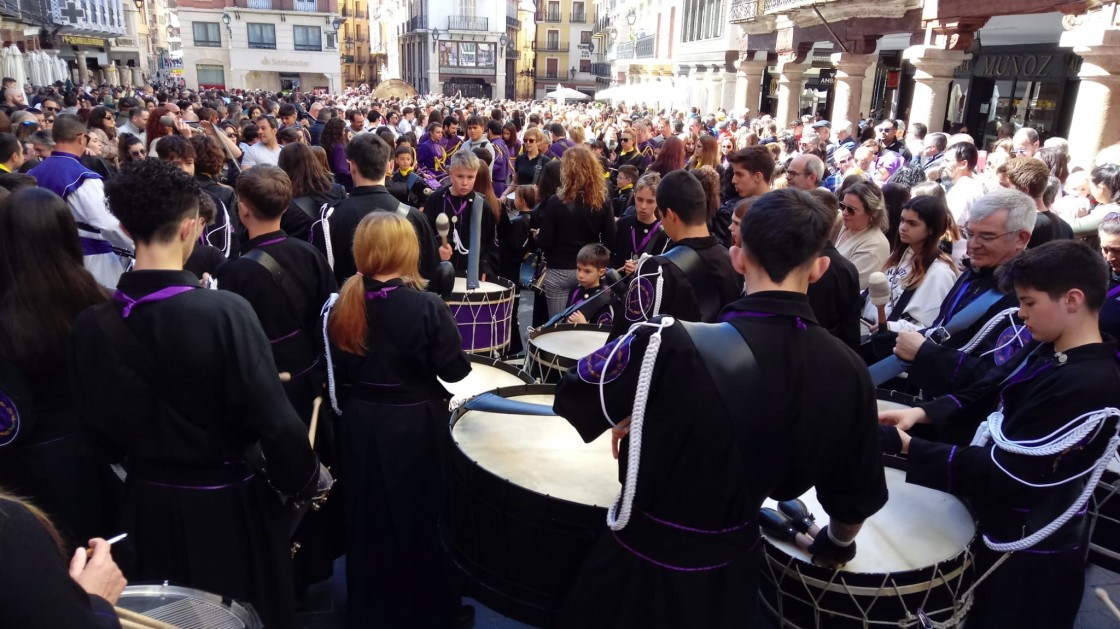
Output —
<point x="283" y="280"/>
<point x="731" y="366"/>
<point x="689" y="262"/>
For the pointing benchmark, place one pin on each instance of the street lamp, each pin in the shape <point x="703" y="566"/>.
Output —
<point x="631" y="17"/>
<point x="503" y="41"/>
<point x="226" y="21"/>
<point x="139" y="5"/>
<point x="435" y="38"/>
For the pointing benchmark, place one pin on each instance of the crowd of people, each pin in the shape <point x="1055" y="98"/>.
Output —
<point x="183" y="275"/>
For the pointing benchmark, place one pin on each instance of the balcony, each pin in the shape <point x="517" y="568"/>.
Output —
<point x="625" y="50"/>
<point x="418" y="23"/>
<point x="548" y="16"/>
<point x="553" y="46"/>
<point x="467" y="23"/>
<point x="645" y="48"/>
<point x="312" y="6"/>
<point x="549" y="76"/>
<point x="578" y="17"/>
<point x="513" y="23"/>
<point x="602" y="24"/>
<point x="601" y="69"/>
<point x="305" y="5"/>
<point x="746" y="10"/>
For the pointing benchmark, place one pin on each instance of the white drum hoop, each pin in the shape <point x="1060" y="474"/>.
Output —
<point x="549" y="366"/>
<point x="188" y="608"/>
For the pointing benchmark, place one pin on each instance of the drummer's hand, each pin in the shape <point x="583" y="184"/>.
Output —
<point x="620" y="430"/>
<point x="445" y="253"/>
<point x="903" y="419"/>
<point x="907" y="345"/>
<point x="629" y="267"/>
<point x="98" y="574"/>
<point x="905" y="438"/>
<point x="577" y="317"/>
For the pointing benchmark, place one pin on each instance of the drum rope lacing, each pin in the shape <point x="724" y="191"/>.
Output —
<point x="1062" y="439"/>
<point x="324" y="314"/>
<point x="618" y="516"/>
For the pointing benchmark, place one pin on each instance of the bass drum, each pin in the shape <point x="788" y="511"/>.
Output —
<point x="914" y="558"/>
<point x="486" y="374"/>
<point x="527" y="498"/>
<point x="188" y="608"/>
<point x="555" y="350"/>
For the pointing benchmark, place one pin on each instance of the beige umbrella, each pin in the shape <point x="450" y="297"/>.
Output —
<point x="394" y="87"/>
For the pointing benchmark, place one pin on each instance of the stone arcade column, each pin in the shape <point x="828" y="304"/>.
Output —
<point x="790" y="85"/>
<point x="83" y="69"/>
<point x="1096" y="114"/>
<point x="748" y="93"/>
<point x="850" y="72"/>
<point x="715" y="89"/>
<point x="934" y="68"/>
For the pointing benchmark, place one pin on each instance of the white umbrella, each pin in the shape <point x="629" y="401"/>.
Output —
<point x="46" y="68"/>
<point x="62" y="70"/>
<point x="566" y="93"/>
<point x="15" y="67"/>
<point x="35" y="69"/>
<point x="113" y="75"/>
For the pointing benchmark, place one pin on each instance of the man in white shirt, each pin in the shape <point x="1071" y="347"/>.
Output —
<point x="267" y="150"/>
<point x="959" y="164"/>
<point x="405" y="125"/>
<point x="136" y="124"/>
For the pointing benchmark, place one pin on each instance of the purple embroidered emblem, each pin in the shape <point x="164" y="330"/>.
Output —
<point x="1008" y="345"/>
<point x="639" y="300"/>
<point x="592" y="367"/>
<point x="9" y="420"/>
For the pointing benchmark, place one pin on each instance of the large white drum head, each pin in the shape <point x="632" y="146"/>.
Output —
<point x="917" y="528"/>
<point x="481" y="378"/>
<point x="884" y="405"/>
<point x="542" y="454"/>
<point x="574" y="344"/>
<point x="483" y="287"/>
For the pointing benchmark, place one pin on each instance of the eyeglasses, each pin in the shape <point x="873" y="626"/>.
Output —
<point x="883" y="129"/>
<point x="969" y="235"/>
<point x="50" y="109"/>
<point x="850" y="210"/>
<point x="626" y="140"/>
<point x="108" y="116"/>
<point x="1018" y="151"/>
<point x="530" y="141"/>
<point x="140" y="153"/>
<point x="794" y="173"/>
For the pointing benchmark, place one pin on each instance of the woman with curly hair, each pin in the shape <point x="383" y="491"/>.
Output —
<point x="208" y="162"/>
<point x="103" y="124"/>
<point x="861" y="239"/>
<point x="671" y="157"/>
<point x="578" y="214"/>
<point x="312" y="186"/>
<point x="333" y="141"/>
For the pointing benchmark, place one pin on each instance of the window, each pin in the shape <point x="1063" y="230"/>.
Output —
<point x="262" y="36"/>
<point x="211" y="77"/>
<point x="207" y="34"/>
<point x="552" y="40"/>
<point x="307" y="38"/>
<point x="467" y="8"/>
<point x="703" y="19"/>
<point x="585" y="37"/>
<point x="551" y="66"/>
<point x="585" y="65"/>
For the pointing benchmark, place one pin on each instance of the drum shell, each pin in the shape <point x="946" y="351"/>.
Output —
<point x="484" y="318"/>
<point x="549" y="367"/>
<point x="519" y="549"/>
<point x="788" y="585"/>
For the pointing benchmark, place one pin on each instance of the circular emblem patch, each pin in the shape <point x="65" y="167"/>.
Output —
<point x="639" y="300"/>
<point x="1008" y="343"/>
<point x="9" y="420"/>
<point x="591" y="368"/>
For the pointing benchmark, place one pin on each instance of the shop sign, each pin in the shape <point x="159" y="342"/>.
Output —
<point x="827" y="78"/>
<point x="1031" y="66"/>
<point x="461" y="71"/>
<point x="82" y="40"/>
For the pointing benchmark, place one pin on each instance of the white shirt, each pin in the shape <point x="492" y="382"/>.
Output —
<point x="258" y="154"/>
<point x="87" y="204"/>
<point x="924" y="305"/>
<point x="961" y="196"/>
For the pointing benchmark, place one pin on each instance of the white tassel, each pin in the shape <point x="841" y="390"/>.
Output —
<point x="325" y="314"/>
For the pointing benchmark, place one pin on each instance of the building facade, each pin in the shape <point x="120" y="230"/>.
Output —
<point x="362" y="42"/>
<point x="564" y="46"/>
<point x="275" y="45"/>
<point x="456" y="47"/>
<point x="85" y="36"/>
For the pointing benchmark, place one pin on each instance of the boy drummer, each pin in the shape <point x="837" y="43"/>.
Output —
<point x="1068" y="379"/>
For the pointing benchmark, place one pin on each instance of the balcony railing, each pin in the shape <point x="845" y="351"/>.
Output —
<point x="548" y="16"/>
<point x="602" y="24"/>
<point x="418" y="23"/>
<point x="745" y="10"/>
<point x="645" y="47"/>
<point x="305" y="5"/>
<point x="313" y="6"/>
<point x="601" y="69"/>
<point x="467" y="23"/>
<point x="513" y="23"/>
<point x="625" y="50"/>
<point x="260" y="4"/>
<point x="578" y="17"/>
<point x="554" y="46"/>
<point x="549" y="76"/>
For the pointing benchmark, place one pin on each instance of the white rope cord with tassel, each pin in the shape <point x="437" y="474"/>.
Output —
<point x="325" y="315"/>
<point x="459" y="248"/>
<point x="324" y="217"/>
<point x="618" y="516"/>
<point x="987" y="329"/>
<point x="1052" y="444"/>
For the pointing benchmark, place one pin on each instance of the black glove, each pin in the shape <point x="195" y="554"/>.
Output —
<point x="890" y="439"/>
<point x="828" y="554"/>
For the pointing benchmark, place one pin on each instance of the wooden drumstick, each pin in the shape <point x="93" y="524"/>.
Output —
<point x="443" y="227"/>
<point x="315" y="406"/>
<point x="134" y="619"/>
<point x="1101" y="594"/>
<point x="285" y="376"/>
<point x="879" y="292"/>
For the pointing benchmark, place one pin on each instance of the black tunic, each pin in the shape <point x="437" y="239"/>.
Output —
<point x="1049" y="226"/>
<point x="35" y="588"/>
<point x="635" y="238"/>
<point x="527" y="169"/>
<point x="598" y="311"/>
<point x="344" y="221"/>
<point x="816" y="426"/>
<point x="1037" y="399"/>
<point x="227" y="223"/>
<point x="835" y="298"/>
<point x="567" y="227"/>
<point x="394" y="414"/>
<point x="198" y="509"/>
<point x="678" y="297"/>
<point x="458" y="211"/>
<point x="1110" y="312"/>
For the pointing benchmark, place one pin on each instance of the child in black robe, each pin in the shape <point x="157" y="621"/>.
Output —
<point x="598" y="300"/>
<point x="406" y="184"/>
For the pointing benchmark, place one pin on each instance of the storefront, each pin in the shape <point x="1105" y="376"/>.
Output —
<point x="468" y="67"/>
<point x="1010" y="87"/>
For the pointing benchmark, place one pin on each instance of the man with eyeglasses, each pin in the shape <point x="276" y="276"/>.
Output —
<point x="887" y="132"/>
<point x="137" y="123"/>
<point x="999" y="228"/>
<point x="1024" y="143"/>
<point x="1109" y="234"/>
<point x="50" y="106"/>
<point x="805" y="172"/>
<point x="844" y="160"/>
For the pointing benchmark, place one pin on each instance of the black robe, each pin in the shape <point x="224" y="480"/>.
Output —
<point x="1110" y="312"/>
<point x="393" y="424"/>
<point x="678" y="297"/>
<point x="1038" y="399"/>
<point x="634" y="238"/>
<point x="458" y="211"/>
<point x="344" y="221"/>
<point x="199" y="508"/>
<point x="816" y="426"/>
<point x="227" y="222"/>
<point x="835" y="298"/>
<point x="600" y="310"/>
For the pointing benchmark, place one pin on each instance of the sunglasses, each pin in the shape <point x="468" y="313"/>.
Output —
<point x="1111" y="216"/>
<point x="883" y="129"/>
<point x="50" y="109"/>
<point x="848" y="209"/>
<point x="140" y="153"/>
<point x="530" y="141"/>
